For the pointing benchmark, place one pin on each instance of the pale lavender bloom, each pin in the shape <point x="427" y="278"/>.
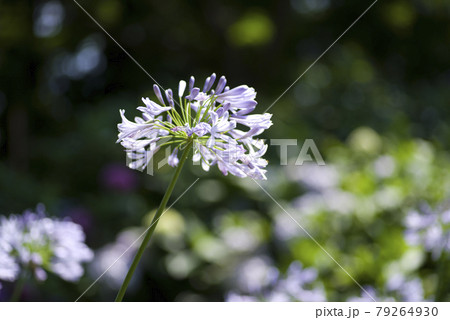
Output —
<point x="407" y="290"/>
<point x="39" y="244"/>
<point x="117" y="257"/>
<point x="211" y="119"/>
<point x="314" y="177"/>
<point x="9" y="269"/>
<point x="429" y="228"/>
<point x="297" y="284"/>
<point x="260" y="281"/>
<point x="235" y="297"/>
<point x="398" y="288"/>
<point x="255" y="274"/>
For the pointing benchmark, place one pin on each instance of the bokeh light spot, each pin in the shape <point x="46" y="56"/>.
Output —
<point x="253" y="28"/>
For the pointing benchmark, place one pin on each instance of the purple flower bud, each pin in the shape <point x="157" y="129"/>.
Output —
<point x="158" y="94"/>
<point x="209" y="83"/>
<point x="169" y="96"/>
<point x="213" y="79"/>
<point x="206" y="85"/>
<point x="221" y="84"/>
<point x="191" y="83"/>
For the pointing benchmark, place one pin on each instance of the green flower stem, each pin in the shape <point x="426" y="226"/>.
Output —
<point x="155" y="220"/>
<point x="18" y="288"/>
<point x="442" y="290"/>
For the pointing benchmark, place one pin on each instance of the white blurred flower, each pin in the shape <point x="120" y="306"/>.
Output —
<point x="315" y="177"/>
<point x="38" y="243"/>
<point x="259" y="280"/>
<point x="116" y="256"/>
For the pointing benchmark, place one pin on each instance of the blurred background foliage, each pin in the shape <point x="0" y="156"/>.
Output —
<point x="376" y="105"/>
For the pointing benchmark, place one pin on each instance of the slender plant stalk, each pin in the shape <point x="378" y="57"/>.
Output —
<point x="155" y="220"/>
<point x="443" y="277"/>
<point x="18" y="288"/>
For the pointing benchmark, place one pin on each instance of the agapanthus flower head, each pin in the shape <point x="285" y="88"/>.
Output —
<point x="214" y="120"/>
<point x="36" y="243"/>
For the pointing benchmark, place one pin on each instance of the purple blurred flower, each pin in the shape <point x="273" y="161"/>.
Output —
<point x="80" y="215"/>
<point x="207" y="118"/>
<point x="116" y="177"/>
<point x="37" y="243"/>
<point x="429" y="228"/>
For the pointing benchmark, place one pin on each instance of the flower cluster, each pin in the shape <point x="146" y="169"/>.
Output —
<point x="397" y="288"/>
<point x="430" y="228"/>
<point x="216" y="122"/>
<point x="259" y="280"/>
<point x="35" y="243"/>
<point x="263" y="282"/>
